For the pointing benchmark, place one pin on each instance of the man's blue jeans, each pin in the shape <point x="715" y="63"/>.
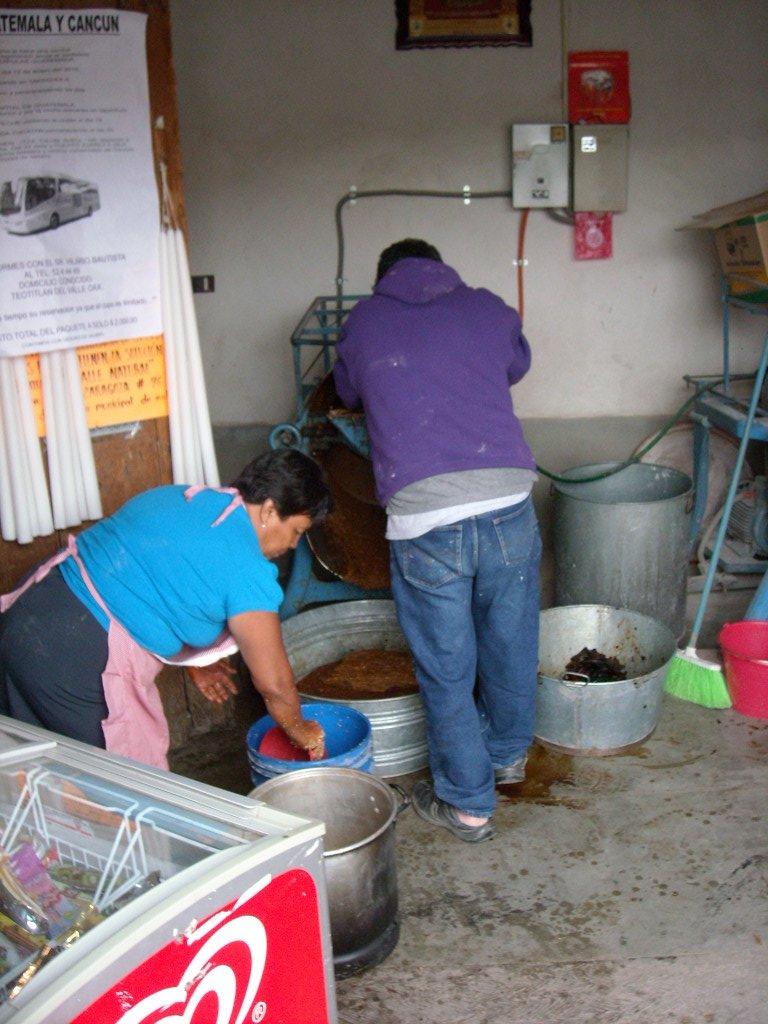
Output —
<point x="467" y="598"/>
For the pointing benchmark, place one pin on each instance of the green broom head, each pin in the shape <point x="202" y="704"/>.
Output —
<point x="697" y="679"/>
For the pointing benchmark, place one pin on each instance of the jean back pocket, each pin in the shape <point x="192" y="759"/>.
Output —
<point x="517" y="533"/>
<point x="433" y="559"/>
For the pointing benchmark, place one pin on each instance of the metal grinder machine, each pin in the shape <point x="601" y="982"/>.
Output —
<point x="345" y="558"/>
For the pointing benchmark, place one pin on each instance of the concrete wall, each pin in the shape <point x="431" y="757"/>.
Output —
<point x="285" y="105"/>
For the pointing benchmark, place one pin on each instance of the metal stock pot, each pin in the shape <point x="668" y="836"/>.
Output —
<point x="359" y="812"/>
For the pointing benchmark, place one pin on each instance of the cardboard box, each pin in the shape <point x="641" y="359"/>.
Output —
<point x="741" y="238"/>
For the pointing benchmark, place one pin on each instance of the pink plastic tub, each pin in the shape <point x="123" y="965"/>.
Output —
<point x="745" y="659"/>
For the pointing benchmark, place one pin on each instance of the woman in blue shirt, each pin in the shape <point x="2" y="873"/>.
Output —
<point x="162" y="578"/>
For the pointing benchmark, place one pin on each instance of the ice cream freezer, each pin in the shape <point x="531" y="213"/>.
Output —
<point x="132" y="895"/>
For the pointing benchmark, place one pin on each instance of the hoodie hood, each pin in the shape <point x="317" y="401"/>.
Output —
<point x="418" y="281"/>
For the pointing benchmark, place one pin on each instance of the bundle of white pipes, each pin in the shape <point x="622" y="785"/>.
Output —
<point x="192" y="452"/>
<point x="25" y="508"/>
<point x="25" y="502"/>
<point x="71" y="467"/>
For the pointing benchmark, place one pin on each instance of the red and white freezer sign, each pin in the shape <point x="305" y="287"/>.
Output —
<point x="257" y="959"/>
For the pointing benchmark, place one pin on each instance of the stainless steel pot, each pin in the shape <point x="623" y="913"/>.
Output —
<point x="600" y="718"/>
<point x="359" y="812"/>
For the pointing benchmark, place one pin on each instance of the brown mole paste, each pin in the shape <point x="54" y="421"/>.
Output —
<point x="351" y="542"/>
<point x="598" y="667"/>
<point x="362" y="675"/>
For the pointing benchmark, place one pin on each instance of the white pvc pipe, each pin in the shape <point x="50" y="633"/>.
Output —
<point x="171" y="371"/>
<point x="40" y="496"/>
<point x="71" y="446"/>
<point x="188" y="461"/>
<point x="192" y="452"/>
<point x="195" y="362"/>
<point x="26" y="491"/>
<point x="52" y="445"/>
<point x="66" y="462"/>
<point x="25" y="451"/>
<point x="195" y="459"/>
<point x="16" y="461"/>
<point x="72" y="440"/>
<point x="7" y="517"/>
<point x="84" y="447"/>
<point x="74" y="461"/>
<point x="72" y="498"/>
<point x="194" y="462"/>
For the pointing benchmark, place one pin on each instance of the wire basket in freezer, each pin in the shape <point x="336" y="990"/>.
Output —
<point x="97" y="844"/>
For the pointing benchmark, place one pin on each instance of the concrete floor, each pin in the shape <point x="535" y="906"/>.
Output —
<point x="619" y="890"/>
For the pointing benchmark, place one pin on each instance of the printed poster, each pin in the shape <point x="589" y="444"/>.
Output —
<point x="79" y="220"/>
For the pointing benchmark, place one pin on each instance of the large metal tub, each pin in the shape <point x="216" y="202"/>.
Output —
<point x="325" y="634"/>
<point x="600" y="718"/>
<point x="624" y="541"/>
<point x="359" y="813"/>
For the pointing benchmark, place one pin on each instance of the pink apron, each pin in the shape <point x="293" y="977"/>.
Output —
<point x="135" y="725"/>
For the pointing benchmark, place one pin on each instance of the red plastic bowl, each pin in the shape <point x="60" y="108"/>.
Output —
<point x="276" y="744"/>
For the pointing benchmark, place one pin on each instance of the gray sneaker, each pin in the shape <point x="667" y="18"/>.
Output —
<point x="437" y="812"/>
<point x="514" y="772"/>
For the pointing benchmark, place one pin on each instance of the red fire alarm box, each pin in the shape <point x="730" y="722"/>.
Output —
<point x="598" y="87"/>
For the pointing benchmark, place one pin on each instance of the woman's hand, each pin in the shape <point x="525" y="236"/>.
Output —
<point x="216" y="682"/>
<point x="309" y="736"/>
<point x="260" y="639"/>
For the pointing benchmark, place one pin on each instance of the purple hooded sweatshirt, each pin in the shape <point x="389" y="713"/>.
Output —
<point x="431" y="361"/>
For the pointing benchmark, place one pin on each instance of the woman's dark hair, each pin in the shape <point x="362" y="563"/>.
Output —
<point x="402" y="250"/>
<point x="292" y="480"/>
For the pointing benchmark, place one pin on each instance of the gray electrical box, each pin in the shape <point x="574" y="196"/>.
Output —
<point x="539" y="165"/>
<point x="600" y="167"/>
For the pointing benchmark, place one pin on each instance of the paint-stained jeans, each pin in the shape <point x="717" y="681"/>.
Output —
<point x="467" y="598"/>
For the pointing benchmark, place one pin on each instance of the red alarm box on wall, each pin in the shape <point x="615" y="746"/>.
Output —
<point x="598" y="87"/>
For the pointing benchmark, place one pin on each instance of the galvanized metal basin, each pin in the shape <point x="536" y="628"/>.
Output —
<point x="322" y="635"/>
<point x="600" y="718"/>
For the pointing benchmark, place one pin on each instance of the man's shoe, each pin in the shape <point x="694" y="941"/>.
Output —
<point x="514" y="772"/>
<point x="436" y="811"/>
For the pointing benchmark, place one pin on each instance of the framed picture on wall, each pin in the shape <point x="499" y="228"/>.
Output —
<point x="429" y="23"/>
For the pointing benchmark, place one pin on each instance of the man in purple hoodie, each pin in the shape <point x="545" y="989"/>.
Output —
<point x="431" y="361"/>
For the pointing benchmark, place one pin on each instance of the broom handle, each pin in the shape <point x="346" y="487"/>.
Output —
<point x="735" y="477"/>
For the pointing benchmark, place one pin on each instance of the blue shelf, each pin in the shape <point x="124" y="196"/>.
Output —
<point x="729" y="414"/>
<point x="717" y="406"/>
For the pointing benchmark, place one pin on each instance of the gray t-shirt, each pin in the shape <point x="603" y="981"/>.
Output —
<point x="449" y="489"/>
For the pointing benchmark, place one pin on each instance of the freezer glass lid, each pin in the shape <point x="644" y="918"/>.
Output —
<point x="72" y="816"/>
<point x="75" y="848"/>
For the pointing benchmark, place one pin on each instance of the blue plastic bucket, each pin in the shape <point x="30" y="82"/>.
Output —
<point x="348" y="742"/>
